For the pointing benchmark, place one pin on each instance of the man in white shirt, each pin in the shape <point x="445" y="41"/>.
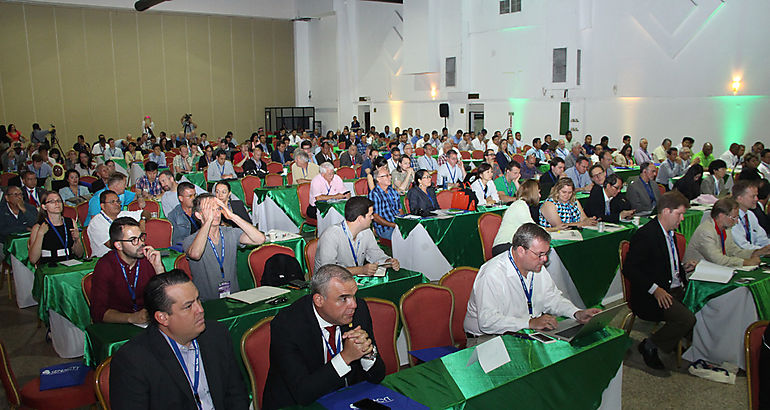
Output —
<point x="478" y="143"/>
<point x="568" y="143"/>
<point x="98" y="148"/>
<point x="112" y="152"/>
<point x="426" y="161"/>
<point x="170" y="198"/>
<point x="659" y="154"/>
<point x="641" y="155"/>
<point x="220" y="169"/>
<point x="732" y="157"/>
<point x="536" y="151"/>
<point x="517" y="142"/>
<point x="452" y="172"/>
<point x="514" y="291"/>
<point x="748" y="233"/>
<point x="99" y="227"/>
<point x="395" y="156"/>
<point x="561" y="150"/>
<point x="494" y="143"/>
<point x="764" y="167"/>
<point x="352" y="244"/>
<point x="670" y="168"/>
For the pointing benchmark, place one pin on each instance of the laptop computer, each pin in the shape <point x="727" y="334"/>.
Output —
<point x="570" y="329"/>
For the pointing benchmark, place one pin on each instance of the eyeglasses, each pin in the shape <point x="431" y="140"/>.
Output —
<point x="384" y="176"/>
<point x="114" y="202"/>
<point x="540" y="255"/>
<point x="54" y="201"/>
<point x="134" y="239"/>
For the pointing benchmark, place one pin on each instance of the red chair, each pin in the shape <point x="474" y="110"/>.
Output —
<point x="249" y="183"/>
<point x="385" y="325"/>
<point x="85" y="286"/>
<point x="30" y="395"/>
<point x="7" y="176"/>
<point x="526" y="148"/>
<point x="237" y="169"/>
<point x="406" y="204"/>
<point x="149" y="206"/>
<point x="86" y="242"/>
<point x="681" y="244"/>
<point x="361" y="187"/>
<point x="346" y="172"/>
<point x="275" y="168"/>
<point x="273" y="180"/>
<point x="477" y="154"/>
<point x="289" y="179"/>
<point x="341" y="145"/>
<point x="159" y="233"/>
<point x="489" y="224"/>
<point x="336" y="163"/>
<point x="444" y="198"/>
<point x="70" y="212"/>
<point x="465" y="155"/>
<point x="519" y="158"/>
<point x="419" y="151"/>
<point x="82" y="209"/>
<point x="259" y="256"/>
<point x="427" y="328"/>
<point x="102" y="383"/>
<point x="310" y="249"/>
<point x="434" y="177"/>
<point x="182" y="263"/>
<point x="753" y="344"/>
<point x="662" y="189"/>
<point x="460" y="281"/>
<point x="255" y="350"/>
<point x="89" y="179"/>
<point x="303" y="193"/>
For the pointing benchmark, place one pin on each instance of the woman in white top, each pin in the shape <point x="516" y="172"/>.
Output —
<point x="484" y="187"/>
<point x="403" y="175"/>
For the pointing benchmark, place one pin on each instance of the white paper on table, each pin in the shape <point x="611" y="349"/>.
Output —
<point x="608" y="227"/>
<point x="747" y="268"/>
<point x="490" y="354"/>
<point x="275" y="235"/>
<point x="258" y="294"/>
<point x="567" y="235"/>
<point x="711" y="272"/>
<point x="142" y="325"/>
<point x="71" y="262"/>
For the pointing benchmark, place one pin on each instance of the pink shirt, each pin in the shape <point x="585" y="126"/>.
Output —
<point x="319" y="186"/>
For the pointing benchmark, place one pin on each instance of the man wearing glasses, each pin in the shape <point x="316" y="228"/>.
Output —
<point x="99" y="227"/>
<point x="514" y="291"/>
<point x="121" y="274"/>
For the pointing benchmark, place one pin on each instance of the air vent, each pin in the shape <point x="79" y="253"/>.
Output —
<point x="560" y="65"/>
<point x="363" y="99"/>
<point x="450" y="71"/>
<point x="473" y="96"/>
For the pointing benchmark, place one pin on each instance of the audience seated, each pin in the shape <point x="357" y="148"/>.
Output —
<point x="30" y="191"/>
<point x="579" y="175"/>
<point x="507" y="184"/>
<point x="110" y="210"/>
<point x="182" y="218"/>
<point x="670" y="167"/>
<point x="387" y="203"/>
<point x="302" y="169"/>
<point x="325" y="186"/>
<point x="222" y="191"/>
<point x="689" y="183"/>
<point x="524" y="209"/>
<point x="705" y="156"/>
<point x="73" y="193"/>
<point x="607" y="203"/>
<point x="529" y="168"/>
<point x="54" y="238"/>
<point x="16" y="215"/>
<point x="484" y="187"/>
<point x="641" y="156"/>
<point x="403" y="176"/>
<point x="422" y="196"/>
<point x="149" y="184"/>
<point x="220" y="169"/>
<point x="117" y="184"/>
<point x="714" y="184"/>
<point x="351" y="157"/>
<point x="561" y="209"/>
<point x="643" y="192"/>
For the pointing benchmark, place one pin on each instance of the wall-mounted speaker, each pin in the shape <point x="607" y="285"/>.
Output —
<point x="443" y="110"/>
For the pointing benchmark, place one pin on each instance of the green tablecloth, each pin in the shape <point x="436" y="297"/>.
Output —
<point x="285" y="197"/>
<point x="690" y="223"/>
<point x="555" y="375"/>
<point x="699" y="293"/>
<point x="102" y="339"/>
<point x="59" y="289"/>
<point x="16" y="245"/>
<point x="197" y="178"/>
<point x="324" y="207"/>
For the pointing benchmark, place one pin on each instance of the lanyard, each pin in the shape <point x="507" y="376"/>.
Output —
<point x="304" y="173"/>
<point x="350" y="242"/>
<point x="131" y="289"/>
<point x="674" y="255"/>
<point x="485" y="187"/>
<point x="38" y="171"/>
<point x="64" y="241"/>
<point x="221" y="170"/>
<point x="523" y="286"/>
<point x="716" y="185"/>
<point x="74" y="194"/>
<point x="451" y="175"/>
<point x="430" y="163"/>
<point x="193" y="224"/>
<point x="109" y="221"/>
<point x="722" y="235"/>
<point x="213" y="248"/>
<point x="508" y="189"/>
<point x="432" y="201"/>
<point x="193" y="382"/>
<point x="746" y="225"/>
<point x="339" y="343"/>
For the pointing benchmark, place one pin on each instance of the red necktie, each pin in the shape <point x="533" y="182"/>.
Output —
<point x="332" y="342"/>
<point x="32" y="197"/>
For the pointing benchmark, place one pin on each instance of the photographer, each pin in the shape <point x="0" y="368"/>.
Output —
<point x="38" y="135"/>
<point x="188" y="125"/>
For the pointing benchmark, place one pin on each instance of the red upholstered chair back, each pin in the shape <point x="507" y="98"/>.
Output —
<point x="434" y="177"/>
<point x="489" y="224"/>
<point x="255" y="350"/>
<point x="460" y="281"/>
<point x="310" y="249"/>
<point x="289" y="179"/>
<point x="89" y="179"/>
<point x="259" y="256"/>
<point x="342" y="145"/>
<point x="10" y="384"/>
<point x="681" y="244"/>
<point x="275" y="168"/>
<point x="406" y="204"/>
<point x="361" y="187"/>
<point x="237" y="169"/>
<point x="662" y="189"/>
<point x="303" y="193"/>
<point x="477" y="154"/>
<point x="7" y="176"/>
<point x="149" y="206"/>
<point x="86" y="242"/>
<point x="346" y="172"/>
<point x="159" y="233"/>
<point x="519" y="158"/>
<point x="465" y="155"/>
<point x="385" y="324"/>
<point x="526" y="148"/>
<point x="102" y="383"/>
<point x="444" y="198"/>
<point x="628" y="321"/>
<point x="273" y="180"/>
<point x="82" y="209"/>
<point x="249" y="183"/>
<point x="419" y="151"/>
<point x="427" y="327"/>
<point x="70" y="212"/>
<point x="182" y="263"/>
<point x="85" y="286"/>
<point x="753" y="344"/>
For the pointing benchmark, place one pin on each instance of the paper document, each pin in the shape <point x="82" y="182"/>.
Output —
<point x="608" y="227"/>
<point x="490" y="354"/>
<point x="257" y="294"/>
<point x="711" y="272"/>
<point x="275" y="235"/>
<point x="71" y="262"/>
<point x="568" y="235"/>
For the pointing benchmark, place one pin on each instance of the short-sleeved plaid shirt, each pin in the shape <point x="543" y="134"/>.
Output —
<point x="387" y="204"/>
<point x="152" y="187"/>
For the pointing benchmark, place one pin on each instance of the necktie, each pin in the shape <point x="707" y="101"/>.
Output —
<point x="606" y="207"/>
<point x="32" y="197"/>
<point x="748" y="227"/>
<point x="332" y="342"/>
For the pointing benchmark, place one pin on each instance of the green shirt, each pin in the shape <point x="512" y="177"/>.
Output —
<point x="704" y="160"/>
<point x="508" y="188"/>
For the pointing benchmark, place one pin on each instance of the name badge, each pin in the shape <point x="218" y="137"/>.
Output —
<point x="224" y="289"/>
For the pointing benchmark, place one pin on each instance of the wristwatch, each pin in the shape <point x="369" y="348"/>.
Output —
<point x="373" y="355"/>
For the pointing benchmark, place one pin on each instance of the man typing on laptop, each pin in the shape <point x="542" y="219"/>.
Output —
<point x="513" y="291"/>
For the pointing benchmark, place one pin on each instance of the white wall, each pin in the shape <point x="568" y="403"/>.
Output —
<point x="280" y="9"/>
<point x="651" y="69"/>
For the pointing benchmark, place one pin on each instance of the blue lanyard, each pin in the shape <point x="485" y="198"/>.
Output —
<point x="523" y="285"/>
<point x="746" y="226"/>
<point x="508" y="189"/>
<point x="109" y="221"/>
<point x="213" y="248"/>
<point x="332" y="353"/>
<point x="350" y="242"/>
<point x="432" y="201"/>
<point x="193" y="382"/>
<point x="74" y="194"/>
<point x="716" y="185"/>
<point x="451" y="175"/>
<point x="675" y="256"/>
<point x="38" y="171"/>
<point x="649" y="190"/>
<point x="131" y="290"/>
<point x="193" y="224"/>
<point x="430" y="163"/>
<point x="221" y="170"/>
<point x="485" y="187"/>
<point x="64" y="241"/>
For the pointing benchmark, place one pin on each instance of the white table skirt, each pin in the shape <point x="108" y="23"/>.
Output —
<point x="268" y="215"/>
<point x="332" y="217"/>
<point x="612" y="397"/>
<point x="67" y="339"/>
<point x="720" y="327"/>
<point x="23" y="279"/>
<point x="419" y="253"/>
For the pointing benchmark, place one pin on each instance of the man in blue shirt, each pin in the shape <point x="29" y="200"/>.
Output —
<point x="116" y="183"/>
<point x="279" y="154"/>
<point x="387" y="204"/>
<point x="536" y="151"/>
<point x="579" y="175"/>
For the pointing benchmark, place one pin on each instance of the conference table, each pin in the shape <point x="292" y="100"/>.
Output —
<point x="723" y="312"/>
<point x="102" y="339"/>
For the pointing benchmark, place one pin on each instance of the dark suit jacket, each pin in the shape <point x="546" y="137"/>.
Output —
<point x="762" y="217"/>
<point x="277" y="158"/>
<point x="297" y="372"/>
<point x="595" y="205"/>
<point x="419" y="201"/>
<point x="98" y="185"/>
<point x="25" y="194"/>
<point x="647" y="262"/>
<point x="345" y="160"/>
<point x="547" y="181"/>
<point x="146" y="374"/>
<point x="320" y="159"/>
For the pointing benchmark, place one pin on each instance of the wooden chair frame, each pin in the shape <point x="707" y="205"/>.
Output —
<point x="98" y="385"/>
<point x="747" y="346"/>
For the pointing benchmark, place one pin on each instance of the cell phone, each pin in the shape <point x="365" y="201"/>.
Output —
<point x="369" y="404"/>
<point x="298" y="284"/>
<point x="542" y="338"/>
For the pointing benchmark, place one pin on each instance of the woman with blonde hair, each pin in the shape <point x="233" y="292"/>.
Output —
<point x="561" y="209"/>
<point x="523" y="210"/>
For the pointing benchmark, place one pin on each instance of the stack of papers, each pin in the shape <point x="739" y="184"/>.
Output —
<point x="568" y="235"/>
<point x="608" y="227"/>
<point x="257" y="294"/>
<point x="275" y="235"/>
<point x="711" y="272"/>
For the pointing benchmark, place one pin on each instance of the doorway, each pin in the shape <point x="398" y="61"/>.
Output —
<point x="475" y="117"/>
<point x="364" y="117"/>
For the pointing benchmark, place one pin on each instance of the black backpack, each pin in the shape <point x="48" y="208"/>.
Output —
<point x="280" y="269"/>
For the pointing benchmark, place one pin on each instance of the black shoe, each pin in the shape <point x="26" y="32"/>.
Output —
<point x="650" y="355"/>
